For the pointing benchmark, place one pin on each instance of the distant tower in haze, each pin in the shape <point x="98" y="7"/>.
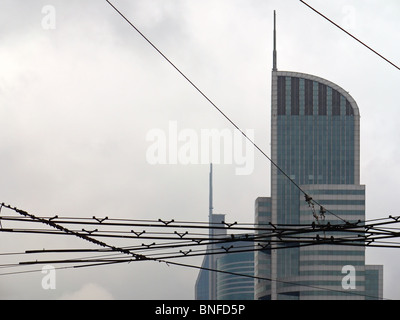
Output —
<point x="206" y="283"/>
<point x="211" y="285"/>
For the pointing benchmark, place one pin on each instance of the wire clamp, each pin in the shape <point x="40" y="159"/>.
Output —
<point x="181" y="235"/>
<point x="227" y="249"/>
<point x="229" y="225"/>
<point x="264" y="246"/>
<point x="90" y="232"/>
<point x="100" y="220"/>
<point x="394" y="218"/>
<point x="138" y="234"/>
<point x="148" y="245"/>
<point x="166" y="222"/>
<point x="185" y="253"/>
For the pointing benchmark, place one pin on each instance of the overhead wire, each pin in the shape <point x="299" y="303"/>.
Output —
<point x="351" y="35"/>
<point x="124" y="251"/>
<point x="67" y="231"/>
<point x="307" y="197"/>
<point x="290" y="239"/>
<point x="117" y="253"/>
<point x="168" y="262"/>
<point x="296" y="284"/>
<point x="286" y="235"/>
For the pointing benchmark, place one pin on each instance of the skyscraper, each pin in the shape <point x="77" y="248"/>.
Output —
<point x="211" y="285"/>
<point x="315" y="140"/>
<point x="206" y="283"/>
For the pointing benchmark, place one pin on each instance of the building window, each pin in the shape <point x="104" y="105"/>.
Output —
<point x="322" y="102"/>
<point x="349" y="109"/>
<point x="281" y="96"/>
<point x="295" y="100"/>
<point x="335" y="103"/>
<point x="308" y="84"/>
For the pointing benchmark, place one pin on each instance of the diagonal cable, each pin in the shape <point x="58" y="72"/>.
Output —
<point x="77" y="234"/>
<point x="219" y="110"/>
<point x="349" y="34"/>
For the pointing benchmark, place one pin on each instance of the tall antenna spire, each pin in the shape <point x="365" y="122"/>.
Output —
<point x="274" y="63"/>
<point x="211" y="194"/>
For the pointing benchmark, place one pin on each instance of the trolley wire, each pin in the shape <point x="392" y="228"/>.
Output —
<point x="296" y="284"/>
<point x="276" y="237"/>
<point x="113" y="255"/>
<point x="135" y="257"/>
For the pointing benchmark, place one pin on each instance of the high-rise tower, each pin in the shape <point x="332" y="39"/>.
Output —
<point x="315" y="140"/>
<point x="206" y="283"/>
<point x="214" y="285"/>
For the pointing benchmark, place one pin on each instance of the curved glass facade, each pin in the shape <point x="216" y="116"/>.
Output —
<point x="262" y="258"/>
<point x="315" y="140"/>
<point x="232" y="287"/>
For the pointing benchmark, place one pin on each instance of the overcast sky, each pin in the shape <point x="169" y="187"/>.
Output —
<point x="80" y="92"/>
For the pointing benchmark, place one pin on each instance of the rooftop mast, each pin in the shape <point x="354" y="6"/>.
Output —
<point x="211" y="194"/>
<point x="275" y="58"/>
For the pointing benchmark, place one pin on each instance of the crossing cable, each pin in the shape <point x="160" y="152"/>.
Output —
<point x="94" y="262"/>
<point x="279" y="232"/>
<point x="284" y="234"/>
<point x="252" y="246"/>
<point x="348" y="33"/>
<point x="262" y="229"/>
<point x="373" y="238"/>
<point x="288" y="236"/>
<point x="104" y="258"/>
<point x="237" y="226"/>
<point x="167" y="262"/>
<point x="193" y="239"/>
<point x="65" y="267"/>
<point x="68" y="231"/>
<point x="219" y="110"/>
<point x="268" y="279"/>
